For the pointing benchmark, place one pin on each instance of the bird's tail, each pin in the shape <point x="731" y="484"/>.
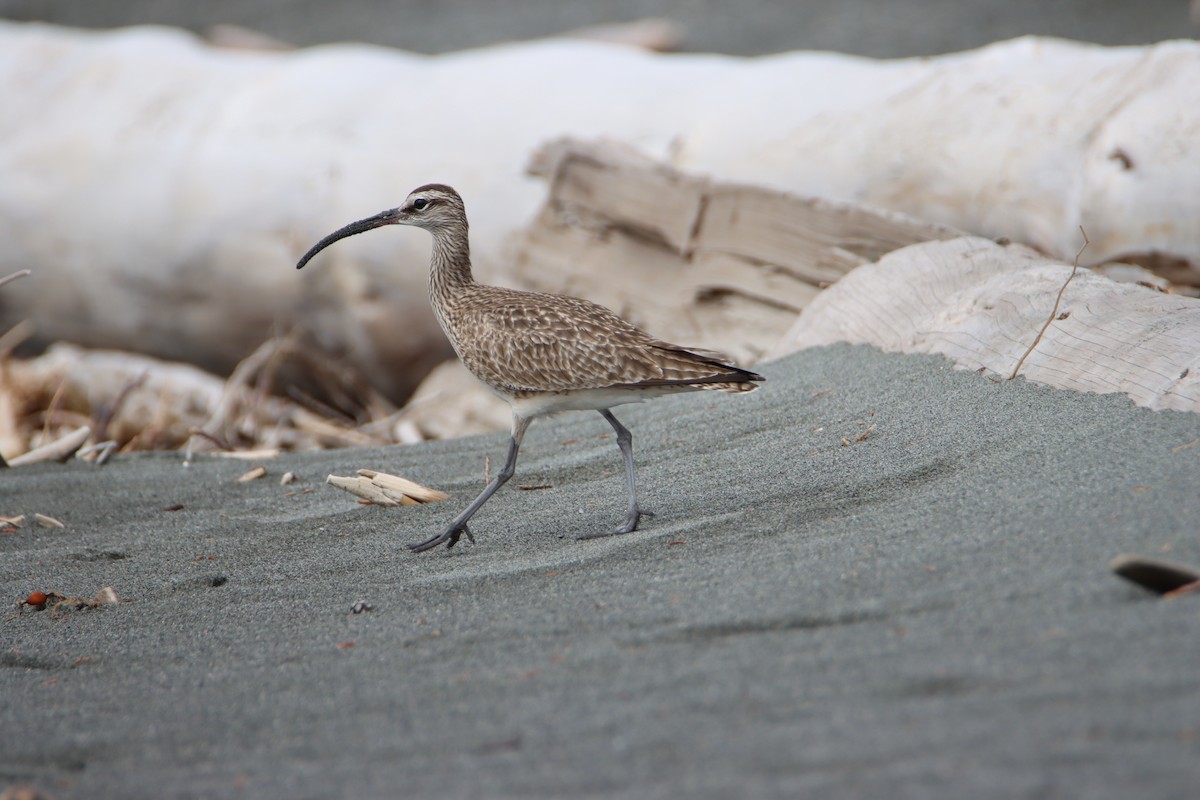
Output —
<point x="705" y="369"/>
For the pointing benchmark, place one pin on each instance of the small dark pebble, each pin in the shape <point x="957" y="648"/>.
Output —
<point x="173" y="507"/>
<point x="360" y="607"/>
<point x="1153" y="574"/>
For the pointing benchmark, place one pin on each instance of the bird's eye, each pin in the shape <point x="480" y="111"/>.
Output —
<point x="420" y="203"/>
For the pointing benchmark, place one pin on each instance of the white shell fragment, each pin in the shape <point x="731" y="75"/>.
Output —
<point x="106" y="596"/>
<point x="46" y="521"/>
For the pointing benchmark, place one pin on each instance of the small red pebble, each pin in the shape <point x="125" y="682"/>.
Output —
<point x="36" y="599"/>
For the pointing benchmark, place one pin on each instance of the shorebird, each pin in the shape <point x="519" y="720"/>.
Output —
<point x="543" y="353"/>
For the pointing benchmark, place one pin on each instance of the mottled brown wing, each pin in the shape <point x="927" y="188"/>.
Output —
<point x="525" y="341"/>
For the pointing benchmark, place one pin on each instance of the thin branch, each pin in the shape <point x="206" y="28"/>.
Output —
<point x="1057" y="301"/>
<point x="212" y="437"/>
<point x="52" y="408"/>
<point x="104" y="418"/>
<point x="18" y="274"/>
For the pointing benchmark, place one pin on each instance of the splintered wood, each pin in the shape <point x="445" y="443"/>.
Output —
<point x="708" y="263"/>
<point x="383" y="489"/>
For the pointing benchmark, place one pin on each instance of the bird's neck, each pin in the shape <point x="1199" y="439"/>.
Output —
<point x="450" y="265"/>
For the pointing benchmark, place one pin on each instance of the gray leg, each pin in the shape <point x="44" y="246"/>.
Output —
<point x="458" y="526"/>
<point x="625" y="442"/>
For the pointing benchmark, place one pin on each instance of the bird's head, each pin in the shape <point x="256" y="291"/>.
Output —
<point x="434" y="207"/>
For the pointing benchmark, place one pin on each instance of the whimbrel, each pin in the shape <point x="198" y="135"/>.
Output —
<point x="542" y="353"/>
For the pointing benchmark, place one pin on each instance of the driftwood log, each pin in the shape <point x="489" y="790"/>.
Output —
<point x="163" y="196"/>
<point x="1004" y="310"/>
<point x="713" y="264"/>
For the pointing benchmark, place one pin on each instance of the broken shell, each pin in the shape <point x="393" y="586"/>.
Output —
<point x="47" y="521"/>
<point x="106" y="596"/>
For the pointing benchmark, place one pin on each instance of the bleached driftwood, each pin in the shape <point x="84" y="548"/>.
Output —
<point x="706" y="264"/>
<point x="165" y="193"/>
<point x="984" y="305"/>
<point x="128" y="396"/>
<point x="451" y="402"/>
<point x="54" y="403"/>
<point x="384" y="489"/>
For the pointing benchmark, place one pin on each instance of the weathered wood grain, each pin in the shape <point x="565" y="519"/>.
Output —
<point x="983" y="305"/>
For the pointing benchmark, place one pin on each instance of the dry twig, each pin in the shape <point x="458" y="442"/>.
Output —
<point x="58" y="450"/>
<point x="21" y="273"/>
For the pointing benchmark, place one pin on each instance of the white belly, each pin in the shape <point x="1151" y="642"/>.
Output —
<point x="537" y="405"/>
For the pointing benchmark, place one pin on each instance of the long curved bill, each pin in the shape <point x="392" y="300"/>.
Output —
<point x="389" y="217"/>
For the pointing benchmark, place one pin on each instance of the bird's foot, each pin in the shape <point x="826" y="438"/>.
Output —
<point x="628" y="526"/>
<point x="450" y="536"/>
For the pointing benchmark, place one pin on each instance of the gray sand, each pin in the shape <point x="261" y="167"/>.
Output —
<point x="926" y="613"/>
